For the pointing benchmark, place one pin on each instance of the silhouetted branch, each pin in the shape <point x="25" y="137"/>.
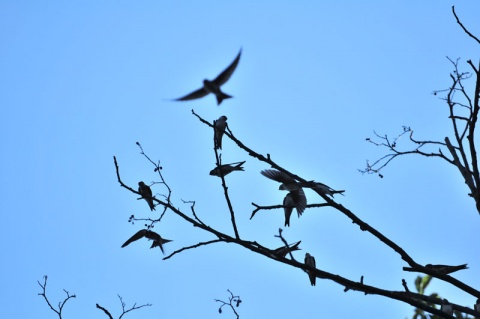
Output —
<point x="104" y="310"/>
<point x="60" y="304"/>
<point x="134" y="307"/>
<point x="461" y="25"/>
<point x="193" y="246"/>
<point x="224" y="186"/>
<point x="259" y="207"/>
<point x="231" y="301"/>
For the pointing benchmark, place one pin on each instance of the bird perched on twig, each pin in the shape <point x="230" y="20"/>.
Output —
<point x="446" y="307"/>
<point x="281" y="252"/>
<point x="310" y="261"/>
<point x="226" y="169"/>
<point x="445" y="269"/>
<point x="214" y="86"/>
<point x="476" y="306"/>
<point x="157" y="239"/>
<point x="219" y="128"/>
<point x="290" y="184"/>
<point x="146" y="193"/>
<point x="294" y="199"/>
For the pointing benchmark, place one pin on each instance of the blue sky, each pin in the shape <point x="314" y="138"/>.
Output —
<point x="82" y="81"/>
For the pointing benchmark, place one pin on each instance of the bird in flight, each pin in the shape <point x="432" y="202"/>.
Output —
<point x="310" y="261"/>
<point x="214" y="86"/>
<point x="157" y="239"/>
<point x="219" y="128"/>
<point x="226" y="169"/>
<point x="146" y="193"/>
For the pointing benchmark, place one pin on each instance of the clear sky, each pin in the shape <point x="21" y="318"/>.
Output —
<point x="82" y="81"/>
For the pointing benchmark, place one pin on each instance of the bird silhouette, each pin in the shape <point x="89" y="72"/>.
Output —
<point x="446" y="307"/>
<point x="289" y="184"/>
<point x="445" y="269"/>
<point x="284" y="250"/>
<point x="146" y="193"/>
<point x="214" y="86"/>
<point x="219" y="128"/>
<point x="294" y="199"/>
<point x="156" y="238"/>
<point x="226" y="169"/>
<point x="310" y="261"/>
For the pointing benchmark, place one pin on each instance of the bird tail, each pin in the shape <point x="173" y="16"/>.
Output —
<point x="159" y="244"/>
<point x="222" y="96"/>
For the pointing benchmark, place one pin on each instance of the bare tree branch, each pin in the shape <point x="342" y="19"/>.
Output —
<point x="60" y="304"/>
<point x="461" y="25"/>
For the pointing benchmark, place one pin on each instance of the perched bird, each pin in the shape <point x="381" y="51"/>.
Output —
<point x="446" y="307"/>
<point x="157" y="239"/>
<point x="214" y="86"/>
<point x="146" y="193"/>
<point x="290" y="184"/>
<point x="445" y="269"/>
<point x="326" y="189"/>
<point x="281" y="252"/>
<point x="310" y="261"/>
<point x="219" y="128"/>
<point x="476" y="306"/>
<point x="226" y="169"/>
<point x="294" y="199"/>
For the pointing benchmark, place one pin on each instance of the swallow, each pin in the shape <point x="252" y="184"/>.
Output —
<point x="219" y="128"/>
<point x="146" y="193"/>
<point x="446" y="307"/>
<point x="157" y="239"/>
<point x="294" y="199"/>
<point x="476" y="306"/>
<point x="287" y="182"/>
<point x="310" y="261"/>
<point x="445" y="269"/>
<point x="290" y="184"/>
<point x="226" y="169"/>
<point x="326" y="190"/>
<point x="281" y="252"/>
<point x="214" y="86"/>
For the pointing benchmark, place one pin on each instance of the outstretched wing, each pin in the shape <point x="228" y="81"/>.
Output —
<point x="223" y="77"/>
<point x="194" y="95"/>
<point x="300" y="200"/>
<point x="141" y="233"/>
<point x="278" y="176"/>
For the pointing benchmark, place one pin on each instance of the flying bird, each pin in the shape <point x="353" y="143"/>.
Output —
<point x="445" y="269"/>
<point x="294" y="199"/>
<point x="226" y="169"/>
<point x="310" y="261"/>
<point x="290" y="184"/>
<point x="146" y="193"/>
<point x="446" y="307"/>
<point x="214" y="86"/>
<point x="281" y="252"/>
<point x="157" y="239"/>
<point x="219" y="128"/>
